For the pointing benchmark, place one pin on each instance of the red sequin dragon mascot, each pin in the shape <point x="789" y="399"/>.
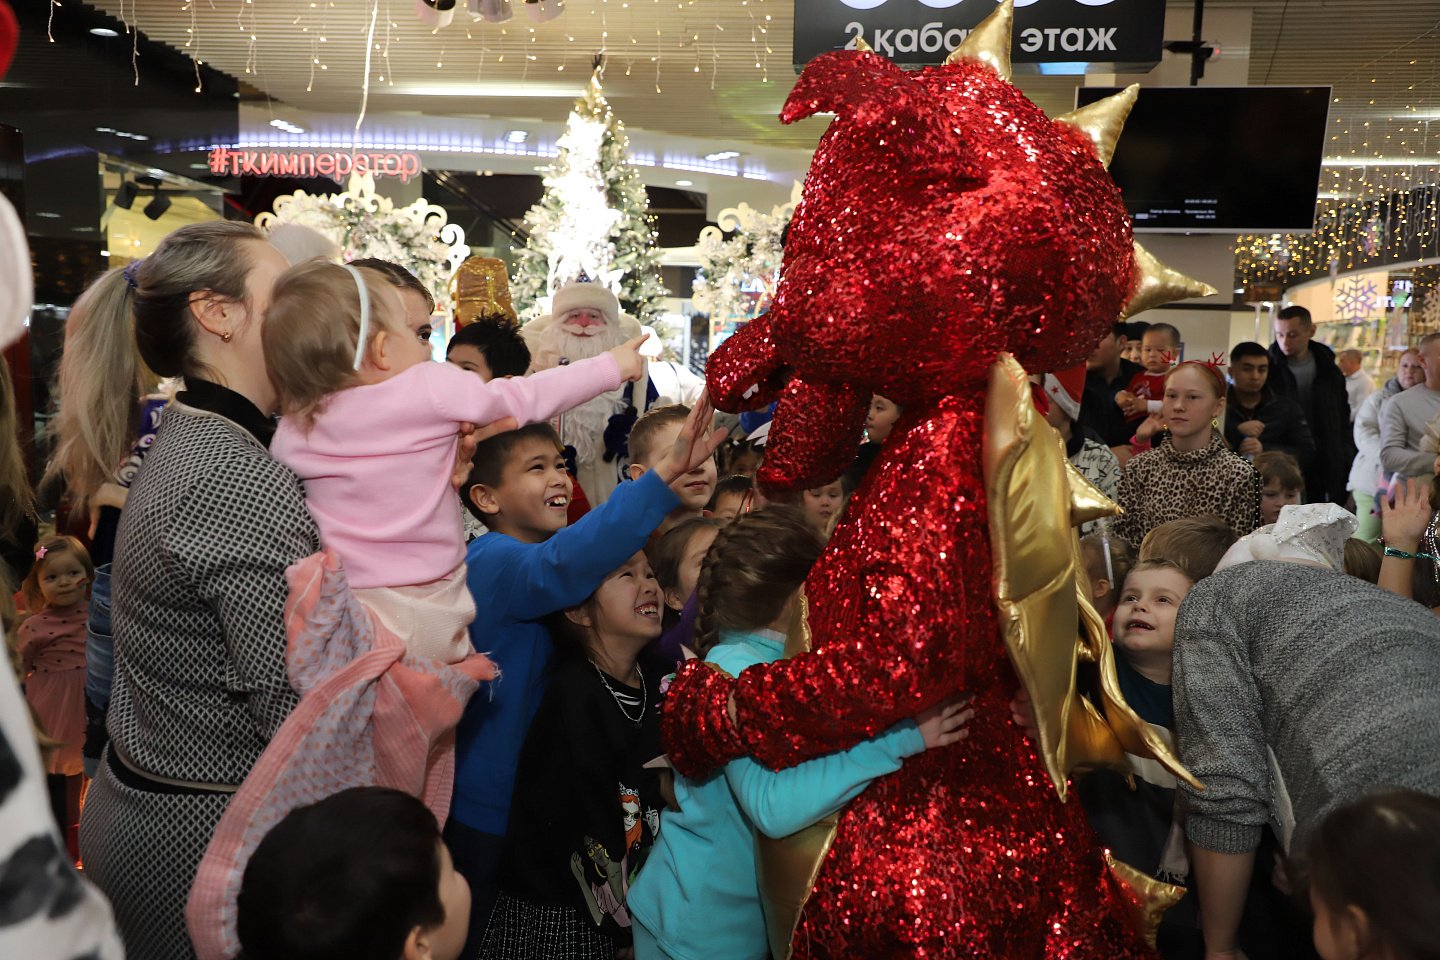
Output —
<point x="950" y="237"/>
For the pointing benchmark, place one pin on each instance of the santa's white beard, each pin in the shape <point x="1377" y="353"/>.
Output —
<point x="584" y="427"/>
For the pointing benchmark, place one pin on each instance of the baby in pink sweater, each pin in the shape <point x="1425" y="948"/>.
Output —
<point x="370" y="426"/>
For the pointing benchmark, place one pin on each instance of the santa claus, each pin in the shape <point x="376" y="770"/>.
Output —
<point x="585" y="321"/>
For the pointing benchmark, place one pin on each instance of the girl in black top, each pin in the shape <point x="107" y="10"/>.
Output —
<point x="586" y="807"/>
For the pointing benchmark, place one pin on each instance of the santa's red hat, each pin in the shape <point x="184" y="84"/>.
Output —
<point x="1065" y="388"/>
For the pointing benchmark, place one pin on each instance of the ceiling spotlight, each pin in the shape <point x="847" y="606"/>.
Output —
<point x="684" y="183"/>
<point x="125" y="196"/>
<point x="47" y="214"/>
<point x="156" y="208"/>
<point x="722" y="155"/>
<point x="286" y="126"/>
<point x="517" y="136"/>
<point x="103" y="32"/>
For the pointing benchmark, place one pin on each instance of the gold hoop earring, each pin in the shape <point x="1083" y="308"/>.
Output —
<point x="225" y="337"/>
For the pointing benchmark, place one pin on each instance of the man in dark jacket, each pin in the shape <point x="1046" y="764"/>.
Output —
<point x="1256" y="419"/>
<point x="1107" y="372"/>
<point x="1306" y="372"/>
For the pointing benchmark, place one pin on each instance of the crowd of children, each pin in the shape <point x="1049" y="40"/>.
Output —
<point x="554" y="827"/>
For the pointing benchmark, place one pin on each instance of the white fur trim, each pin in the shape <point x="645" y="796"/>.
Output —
<point x="580" y="296"/>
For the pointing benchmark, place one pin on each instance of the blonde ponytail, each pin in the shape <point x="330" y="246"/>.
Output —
<point x="101" y="381"/>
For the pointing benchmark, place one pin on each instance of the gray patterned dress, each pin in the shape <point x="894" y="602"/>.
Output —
<point x="200" y="685"/>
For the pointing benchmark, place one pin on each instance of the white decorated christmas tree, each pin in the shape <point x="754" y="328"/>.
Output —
<point x="592" y="220"/>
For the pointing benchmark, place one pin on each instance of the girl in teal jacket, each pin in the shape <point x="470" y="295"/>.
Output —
<point x="697" y="897"/>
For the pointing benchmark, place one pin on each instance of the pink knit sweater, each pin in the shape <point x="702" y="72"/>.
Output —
<point x="376" y="463"/>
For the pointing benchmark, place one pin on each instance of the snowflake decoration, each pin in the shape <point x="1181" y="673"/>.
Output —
<point x="1357" y="300"/>
<point x="1427" y="315"/>
<point x="417" y="237"/>
<point x="738" y="275"/>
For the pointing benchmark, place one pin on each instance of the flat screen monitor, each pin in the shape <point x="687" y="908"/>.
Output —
<point x="1220" y="159"/>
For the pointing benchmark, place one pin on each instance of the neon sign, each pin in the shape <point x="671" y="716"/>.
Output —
<point x="336" y="165"/>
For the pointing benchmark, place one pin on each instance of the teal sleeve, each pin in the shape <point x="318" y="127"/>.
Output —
<point x="780" y="803"/>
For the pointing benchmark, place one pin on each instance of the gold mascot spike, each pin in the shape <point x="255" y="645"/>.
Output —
<point x="989" y="42"/>
<point x="1146" y="899"/>
<point x="1157" y="284"/>
<point x="1103" y="120"/>
<point x="862" y="46"/>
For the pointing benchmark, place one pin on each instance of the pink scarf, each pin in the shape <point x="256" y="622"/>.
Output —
<point x="369" y="714"/>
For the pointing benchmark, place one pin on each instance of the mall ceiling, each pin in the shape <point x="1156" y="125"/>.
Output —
<point x="721" y="68"/>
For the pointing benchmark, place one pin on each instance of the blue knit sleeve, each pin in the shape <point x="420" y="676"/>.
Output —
<point x="532" y="581"/>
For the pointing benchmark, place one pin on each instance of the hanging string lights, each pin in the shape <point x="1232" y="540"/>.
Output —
<point x="1379" y="198"/>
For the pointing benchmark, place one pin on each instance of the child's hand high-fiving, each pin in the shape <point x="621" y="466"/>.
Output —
<point x="696" y="443"/>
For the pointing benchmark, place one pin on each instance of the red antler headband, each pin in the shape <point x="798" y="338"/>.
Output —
<point x="1214" y="366"/>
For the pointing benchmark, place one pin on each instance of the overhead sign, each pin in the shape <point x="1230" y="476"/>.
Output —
<point x="920" y="32"/>
<point x="244" y="162"/>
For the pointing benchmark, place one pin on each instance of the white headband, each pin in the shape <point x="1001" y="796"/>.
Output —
<point x="364" y="314"/>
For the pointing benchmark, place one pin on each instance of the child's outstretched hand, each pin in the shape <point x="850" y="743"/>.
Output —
<point x="1403" y="520"/>
<point x="944" y="723"/>
<point x="696" y="443"/>
<point x="627" y="357"/>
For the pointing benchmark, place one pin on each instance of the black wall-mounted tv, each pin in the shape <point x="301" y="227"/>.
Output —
<point x="1220" y="159"/>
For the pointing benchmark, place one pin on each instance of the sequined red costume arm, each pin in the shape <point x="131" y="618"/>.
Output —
<point x="879" y="658"/>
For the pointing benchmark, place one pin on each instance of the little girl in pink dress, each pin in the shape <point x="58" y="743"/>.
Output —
<point x="51" y="644"/>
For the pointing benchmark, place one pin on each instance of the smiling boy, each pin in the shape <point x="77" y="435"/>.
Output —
<point x="1140" y="824"/>
<point x="532" y="565"/>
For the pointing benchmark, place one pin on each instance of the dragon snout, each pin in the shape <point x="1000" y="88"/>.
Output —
<point x="746" y="372"/>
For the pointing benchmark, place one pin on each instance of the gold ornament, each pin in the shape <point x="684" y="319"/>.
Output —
<point x="862" y="46"/>
<point x="1036" y="499"/>
<point x="989" y="42"/>
<point x="1103" y="120"/>
<point x="481" y="288"/>
<point x="1157" y="284"/>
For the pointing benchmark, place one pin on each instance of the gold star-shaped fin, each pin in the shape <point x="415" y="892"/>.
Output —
<point x="1157" y="284"/>
<point x="1145" y="898"/>
<point x="1103" y="120"/>
<point x="989" y="42"/>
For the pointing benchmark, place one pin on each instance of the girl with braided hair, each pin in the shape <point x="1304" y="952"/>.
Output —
<point x="748" y="597"/>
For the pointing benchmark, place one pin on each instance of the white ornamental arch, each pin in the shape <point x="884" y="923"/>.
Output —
<point x="418" y="237"/>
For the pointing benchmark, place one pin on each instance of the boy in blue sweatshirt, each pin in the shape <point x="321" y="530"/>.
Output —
<point x="529" y="566"/>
